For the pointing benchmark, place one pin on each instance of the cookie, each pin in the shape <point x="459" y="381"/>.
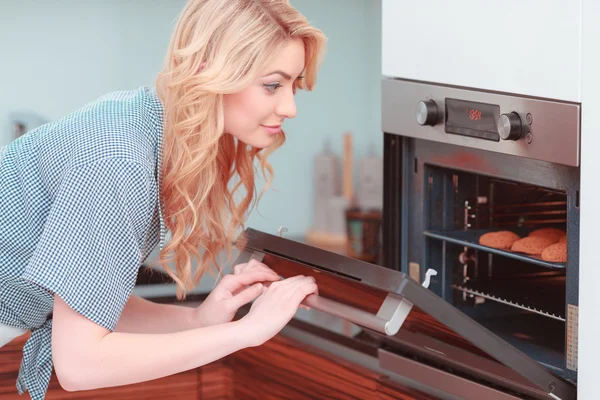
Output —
<point x="550" y="233"/>
<point x="563" y="239"/>
<point x="556" y="252"/>
<point x="499" y="240"/>
<point x="533" y="245"/>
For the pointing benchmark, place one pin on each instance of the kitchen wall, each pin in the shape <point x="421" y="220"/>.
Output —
<point x="59" y="54"/>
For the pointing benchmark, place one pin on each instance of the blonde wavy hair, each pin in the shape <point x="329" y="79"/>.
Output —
<point x="218" y="47"/>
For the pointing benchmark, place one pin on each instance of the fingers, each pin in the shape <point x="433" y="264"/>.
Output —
<point x="251" y="277"/>
<point x="250" y="265"/>
<point x="247" y="295"/>
<point x="237" y="269"/>
<point x="293" y="289"/>
<point x="286" y="284"/>
<point x="296" y="288"/>
<point x="295" y="280"/>
<point x="310" y="291"/>
<point x="302" y="289"/>
<point x="233" y="283"/>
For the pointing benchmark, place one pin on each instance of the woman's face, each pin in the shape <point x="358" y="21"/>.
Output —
<point x="255" y="115"/>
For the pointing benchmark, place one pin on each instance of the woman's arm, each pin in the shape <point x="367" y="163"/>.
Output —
<point x="232" y="292"/>
<point x="87" y="356"/>
<point x="144" y="316"/>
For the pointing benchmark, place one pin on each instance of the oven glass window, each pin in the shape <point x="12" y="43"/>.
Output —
<point x="477" y="229"/>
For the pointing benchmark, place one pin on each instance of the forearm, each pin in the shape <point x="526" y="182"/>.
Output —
<point x="126" y="358"/>
<point x="144" y="316"/>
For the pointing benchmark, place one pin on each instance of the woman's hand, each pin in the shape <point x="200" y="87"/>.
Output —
<point x="276" y="307"/>
<point x="234" y="291"/>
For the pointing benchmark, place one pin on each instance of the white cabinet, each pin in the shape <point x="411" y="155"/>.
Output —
<point x="529" y="47"/>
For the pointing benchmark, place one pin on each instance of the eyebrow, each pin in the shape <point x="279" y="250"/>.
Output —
<point x="286" y="76"/>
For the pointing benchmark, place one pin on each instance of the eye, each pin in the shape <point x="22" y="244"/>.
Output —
<point x="272" y="87"/>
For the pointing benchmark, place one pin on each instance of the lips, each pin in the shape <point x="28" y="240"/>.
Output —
<point x="272" y="129"/>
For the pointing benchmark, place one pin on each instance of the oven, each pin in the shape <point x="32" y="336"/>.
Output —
<point x="460" y="163"/>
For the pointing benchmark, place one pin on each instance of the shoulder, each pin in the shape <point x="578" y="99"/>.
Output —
<point x="123" y="124"/>
<point x="140" y="106"/>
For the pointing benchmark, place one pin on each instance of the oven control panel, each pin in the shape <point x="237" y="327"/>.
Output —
<point x="522" y="126"/>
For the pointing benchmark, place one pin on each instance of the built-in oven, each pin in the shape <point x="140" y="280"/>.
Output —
<point x="463" y="163"/>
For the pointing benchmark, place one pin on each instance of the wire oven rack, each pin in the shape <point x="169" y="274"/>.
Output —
<point x="470" y="239"/>
<point x="542" y="295"/>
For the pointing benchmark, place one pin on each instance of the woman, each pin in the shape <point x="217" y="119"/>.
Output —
<point x="85" y="199"/>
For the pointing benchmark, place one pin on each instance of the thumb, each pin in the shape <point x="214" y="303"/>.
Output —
<point x="247" y="295"/>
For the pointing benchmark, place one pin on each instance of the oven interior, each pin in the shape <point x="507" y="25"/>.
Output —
<point x="521" y="298"/>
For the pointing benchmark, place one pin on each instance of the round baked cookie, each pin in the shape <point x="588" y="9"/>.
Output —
<point x="550" y="233"/>
<point x="498" y="240"/>
<point x="556" y="252"/>
<point x="563" y="239"/>
<point x="533" y="245"/>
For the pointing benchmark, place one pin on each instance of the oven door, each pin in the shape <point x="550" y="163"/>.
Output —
<point x="393" y="306"/>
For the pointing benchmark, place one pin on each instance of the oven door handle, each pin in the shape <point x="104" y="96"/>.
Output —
<point x="388" y="320"/>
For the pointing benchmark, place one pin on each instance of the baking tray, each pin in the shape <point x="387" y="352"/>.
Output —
<point x="471" y="239"/>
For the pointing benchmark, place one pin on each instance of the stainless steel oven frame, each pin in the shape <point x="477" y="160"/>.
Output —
<point x="550" y="161"/>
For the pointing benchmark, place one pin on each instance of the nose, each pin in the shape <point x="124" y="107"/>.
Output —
<point x="286" y="107"/>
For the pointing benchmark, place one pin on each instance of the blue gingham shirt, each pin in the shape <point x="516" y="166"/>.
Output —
<point x="79" y="212"/>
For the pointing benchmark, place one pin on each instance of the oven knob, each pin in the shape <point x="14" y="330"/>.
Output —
<point x="509" y="126"/>
<point x="427" y="112"/>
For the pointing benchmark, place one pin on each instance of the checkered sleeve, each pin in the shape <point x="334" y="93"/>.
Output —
<point x="93" y="240"/>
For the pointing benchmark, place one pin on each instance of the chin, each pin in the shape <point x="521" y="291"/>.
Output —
<point x="262" y="142"/>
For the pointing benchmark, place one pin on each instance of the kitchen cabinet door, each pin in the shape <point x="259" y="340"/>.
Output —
<point x="505" y="46"/>
<point x="389" y="390"/>
<point x="282" y="368"/>
<point x="285" y="368"/>
<point x="181" y="386"/>
<point x="216" y="381"/>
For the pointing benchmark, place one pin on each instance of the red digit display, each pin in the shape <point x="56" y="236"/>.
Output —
<point x="474" y="114"/>
<point x="471" y="118"/>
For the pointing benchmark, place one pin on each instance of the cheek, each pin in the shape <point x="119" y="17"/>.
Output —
<point x="245" y="110"/>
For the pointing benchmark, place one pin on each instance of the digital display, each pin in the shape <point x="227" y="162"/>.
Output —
<point x="472" y="119"/>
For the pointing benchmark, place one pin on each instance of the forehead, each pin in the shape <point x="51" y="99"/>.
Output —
<point x="288" y="58"/>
